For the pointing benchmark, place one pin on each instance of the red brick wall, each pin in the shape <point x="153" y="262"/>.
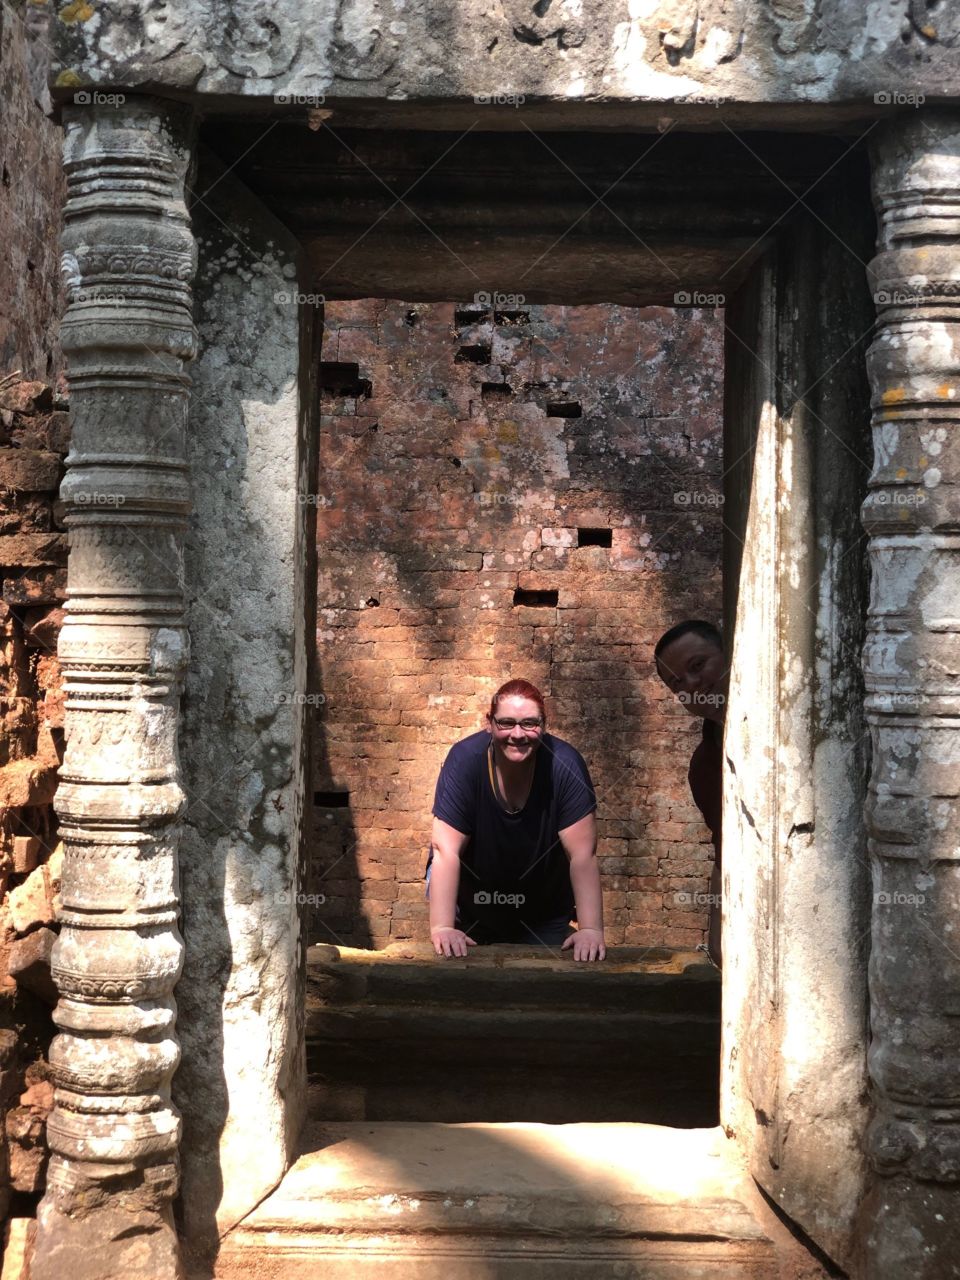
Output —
<point x="33" y="553"/>
<point x="33" y="440"/>
<point x="32" y="190"/>
<point x="463" y="453"/>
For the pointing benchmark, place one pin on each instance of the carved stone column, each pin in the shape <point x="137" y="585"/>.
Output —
<point x="912" y="667"/>
<point x="129" y="259"/>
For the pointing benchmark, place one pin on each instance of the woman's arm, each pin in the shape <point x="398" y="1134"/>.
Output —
<point x="580" y="845"/>
<point x="448" y="844"/>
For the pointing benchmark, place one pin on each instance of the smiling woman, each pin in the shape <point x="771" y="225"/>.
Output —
<point x="513" y="855"/>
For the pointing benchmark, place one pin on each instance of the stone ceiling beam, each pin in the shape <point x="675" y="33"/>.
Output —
<point x="631" y="219"/>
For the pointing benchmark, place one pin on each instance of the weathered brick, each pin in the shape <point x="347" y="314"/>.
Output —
<point x="26" y="397"/>
<point x="28" y="783"/>
<point x="41" y="627"/>
<point x="29" y="964"/>
<point x="33" y="550"/>
<point x="29" y="470"/>
<point x="26" y="853"/>
<point x="32" y="902"/>
<point x="469" y="496"/>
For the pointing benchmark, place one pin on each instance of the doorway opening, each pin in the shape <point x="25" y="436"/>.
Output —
<point x="528" y="491"/>
<point x="705" y="208"/>
<point x="470" y="529"/>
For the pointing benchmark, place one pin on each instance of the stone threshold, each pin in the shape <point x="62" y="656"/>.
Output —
<point x="570" y="1202"/>
<point x="502" y="955"/>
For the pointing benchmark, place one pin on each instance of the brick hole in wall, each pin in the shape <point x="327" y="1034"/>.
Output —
<point x="541" y="498"/>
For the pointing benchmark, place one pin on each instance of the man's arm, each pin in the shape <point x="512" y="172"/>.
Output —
<point x="448" y="844"/>
<point x="580" y="845"/>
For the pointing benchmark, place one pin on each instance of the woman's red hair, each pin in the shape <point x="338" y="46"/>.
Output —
<point x="518" y="689"/>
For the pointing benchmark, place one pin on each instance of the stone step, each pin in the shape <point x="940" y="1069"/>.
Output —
<point x="631" y="979"/>
<point x="373" y="1022"/>
<point x="397" y="1201"/>
<point x="513" y="1033"/>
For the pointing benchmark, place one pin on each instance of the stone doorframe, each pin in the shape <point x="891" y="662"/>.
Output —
<point x="130" y="260"/>
<point x="912" y="671"/>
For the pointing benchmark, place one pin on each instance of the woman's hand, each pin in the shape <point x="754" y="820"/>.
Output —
<point x="587" y="944"/>
<point x="448" y="941"/>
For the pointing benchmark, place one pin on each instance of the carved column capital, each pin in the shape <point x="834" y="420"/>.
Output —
<point x="129" y="258"/>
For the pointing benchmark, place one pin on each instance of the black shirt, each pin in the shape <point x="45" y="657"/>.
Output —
<point x="514" y="868"/>
<point x="706" y="780"/>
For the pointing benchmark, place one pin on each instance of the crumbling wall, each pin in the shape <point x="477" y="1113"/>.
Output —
<point x="32" y="189"/>
<point x="33" y="551"/>
<point x="508" y="490"/>
<point x="33" y="441"/>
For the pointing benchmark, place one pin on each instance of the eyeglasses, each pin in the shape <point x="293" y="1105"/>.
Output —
<point x="507" y="725"/>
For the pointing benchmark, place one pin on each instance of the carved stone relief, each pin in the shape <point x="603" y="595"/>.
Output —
<point x="912" y="669"/>
<point x="129" y="258"/>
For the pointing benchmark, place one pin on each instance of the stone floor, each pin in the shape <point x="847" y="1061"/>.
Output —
<point x="401" y="1201"/>
<point x="489" y="1119"/>
<point x="513" y="1034"/>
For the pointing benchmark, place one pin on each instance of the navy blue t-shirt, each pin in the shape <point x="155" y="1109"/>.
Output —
<point x="513" y="869"/>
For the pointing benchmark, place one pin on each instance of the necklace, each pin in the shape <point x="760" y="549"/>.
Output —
<point x="494" y="783"/>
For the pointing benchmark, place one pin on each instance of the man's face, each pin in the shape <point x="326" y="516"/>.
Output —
<point x="695" y="670"/>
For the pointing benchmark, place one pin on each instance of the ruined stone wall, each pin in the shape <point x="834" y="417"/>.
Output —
<point x="519" y="491"/>
<point x="31" y="200"/>
<point x="33" y="440"/>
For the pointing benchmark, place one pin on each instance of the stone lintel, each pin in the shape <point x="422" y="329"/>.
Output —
<point x="690" y="55"/>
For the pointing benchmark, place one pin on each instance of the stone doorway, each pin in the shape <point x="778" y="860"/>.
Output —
<point x="756" y="115"/>
<point x="507" y="488"/>
<point x="796" y="610"/>
<point x="701" y="218"/>
<point x="503" y="490"/>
